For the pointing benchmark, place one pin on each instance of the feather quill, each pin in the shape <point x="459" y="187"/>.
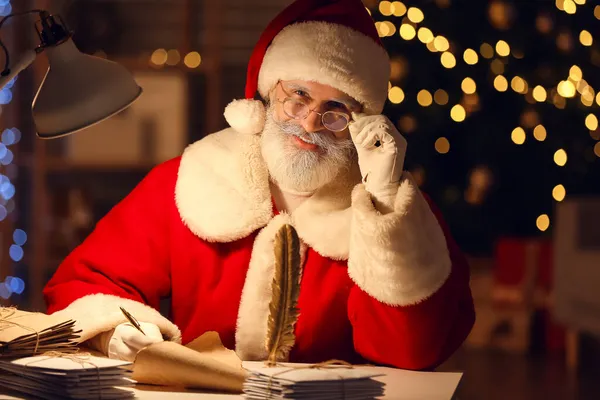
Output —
<point x="283" y="310"/>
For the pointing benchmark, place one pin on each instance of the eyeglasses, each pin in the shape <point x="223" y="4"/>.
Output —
<point x="332" y="120"/>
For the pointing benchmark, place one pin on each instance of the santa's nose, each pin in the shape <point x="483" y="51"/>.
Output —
<point x="312" y="122"/>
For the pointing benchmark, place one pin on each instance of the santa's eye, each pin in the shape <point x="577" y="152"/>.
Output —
<point x="301" y="93"/>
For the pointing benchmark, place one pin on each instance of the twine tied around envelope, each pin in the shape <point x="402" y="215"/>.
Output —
<point x="80" y="358"/>
<point x="329" y="364"/>
<point x="6" y="323"/>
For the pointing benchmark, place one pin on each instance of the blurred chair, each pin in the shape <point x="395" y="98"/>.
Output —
<point x="577" y="271"/>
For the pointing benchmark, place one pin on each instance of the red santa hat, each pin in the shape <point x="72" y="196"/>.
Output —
<point x="333" y="42"/>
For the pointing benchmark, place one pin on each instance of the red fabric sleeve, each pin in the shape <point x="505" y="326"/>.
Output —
<point x="419" y="336"/>
<point x="127" y="254"/>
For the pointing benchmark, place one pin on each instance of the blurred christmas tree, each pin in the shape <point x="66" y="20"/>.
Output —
<point x="498" y="105"/>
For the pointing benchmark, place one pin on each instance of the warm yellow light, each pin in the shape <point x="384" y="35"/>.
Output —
<point x="431" y="47"/>
<point x="369" y="11"/>
<point x="173" y="57"/>
<point x="559" y="192"/>
<point x="468" y="86"/>
<point x="458" y="113"/>
<point x="448" y="60"/>
<point x="597" y="12"/>
<point x="440" y="97"/>
<point x="566" y="89"/>
<point x="560" y="157"/>
<point x="502" y="48"/>
<point x="415" y="15"/>
<point x="399" y="8"/>
<point x="441" y="43"/>
<point x="591" y="122"/>
<point x="424" y="98"/>
<point x="539" y="133"/>
<point x="391" y="28"/>
<point x="570" y="7"/>
<point x="518" y="84"/>
<point x="159" y="57"/>
<point x="407" y="32"/>
<point x="518" y="135"/>
<point x="500" y="83"/>
<point x="587" y="98"/>
<point x="396" y="95"/>
<point x="597" y="149"/>
<point x="497" y="67"/>
<point x="542" y="222"/>
<point x="470" y="56"/>
<point x="192" y="59"/>
<point x="425" y="35"/>
<point x="383" y="29"/>
<point x="580" y="2"/>
<point x="539" y="94"/>
<point x="385" y="8"/>
<point x="598" y="98"/>
<point x="560" y="4"/>
<point x="586" y="38"/>
<point x="442" y="145"/>
<point x="486" y="50"/>
<point x="575" y="73"/>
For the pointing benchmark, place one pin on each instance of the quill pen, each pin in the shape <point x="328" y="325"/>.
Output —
<point x="283" y="311"/>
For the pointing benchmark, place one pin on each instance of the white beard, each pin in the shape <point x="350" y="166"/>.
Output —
<point x="301" y="170"/>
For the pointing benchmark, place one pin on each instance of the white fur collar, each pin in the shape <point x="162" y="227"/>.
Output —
<point x="222" y="194"/>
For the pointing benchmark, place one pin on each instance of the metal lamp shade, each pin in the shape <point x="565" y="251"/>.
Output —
<point x="80" y="90"/>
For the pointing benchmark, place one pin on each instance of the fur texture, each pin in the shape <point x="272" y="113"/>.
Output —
<point x="399" y="258"/>
<point x="246" y="116"/>
<point x="253" y="314"/>
<point x="97" y="313"/>
<point x="330" y="54"/>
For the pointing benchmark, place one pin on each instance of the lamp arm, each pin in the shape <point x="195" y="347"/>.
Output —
<point x="23" y="62"/>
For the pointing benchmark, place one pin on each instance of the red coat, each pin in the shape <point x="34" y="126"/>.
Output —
<point x="389" y="289"/>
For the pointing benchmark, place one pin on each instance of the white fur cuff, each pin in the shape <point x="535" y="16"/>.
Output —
<point x="97" y="313"/>
<point x="400" y="258"/>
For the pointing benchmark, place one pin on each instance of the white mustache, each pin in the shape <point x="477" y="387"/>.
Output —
<point x="322" y="140"/>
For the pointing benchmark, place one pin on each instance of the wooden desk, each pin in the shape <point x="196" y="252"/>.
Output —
<point x="400" y="385"/>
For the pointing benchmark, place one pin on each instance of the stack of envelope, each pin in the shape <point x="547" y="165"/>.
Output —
<point x="312" y="383"/>
<point x="67" y="376"/>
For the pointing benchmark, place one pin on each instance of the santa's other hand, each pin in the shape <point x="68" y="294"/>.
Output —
<point x="126" y="340"/>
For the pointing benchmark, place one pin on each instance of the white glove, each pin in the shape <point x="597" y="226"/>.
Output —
<point x="126" y="341"/>
<point x="380" y="166"/>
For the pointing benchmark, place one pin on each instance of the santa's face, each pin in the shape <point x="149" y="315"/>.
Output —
<point x="306" y="142"/>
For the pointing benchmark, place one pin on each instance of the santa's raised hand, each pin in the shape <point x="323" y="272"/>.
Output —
<point x="381" y="151"/>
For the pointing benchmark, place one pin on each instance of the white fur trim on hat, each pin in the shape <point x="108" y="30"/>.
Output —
<point x="330" y="54"/>
<point x="246" y="116"/>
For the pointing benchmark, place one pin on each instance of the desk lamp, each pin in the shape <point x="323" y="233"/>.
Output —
<point x="78" y="90"/>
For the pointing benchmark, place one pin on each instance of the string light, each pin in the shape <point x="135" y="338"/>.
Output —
<point x="597" y="12"/>
<point x="542" y="222"/>
<point x="470" y="56"/>
<point x="585" y="38"/>
<point x="518" y="135"/>
<point x="597" y="149"/>
<point x="386" y="8"/>
<point x="448" y="60"/>
<point x="559" y="192"/>
<point x="424" y="98"/>
<point x="407" y="32"/>
<point x="566" y="89"/>
<point x="502" y="48"/>
<point x="486" y="50"/>
<point x="192" y="60"/>
<point x="440" y="97"/>
<point x="399" y="9"/>
<point x="560" y="157"/>
<point x="396" y="95"/>
<point x="415" y="15"/>
<point x="425" y="35"/>
<point x="173" y="57"/>
<point x="458" y="113"/>
<point x="441" y="43"/>
<point x="591" y="122"/>
<point x="159" y="57"/>
<point x="442" y="145"/>
<point x="500" y="83"/>
<point x="539" y="94"/>
<point x="468" y="85"/>
<point x="539" y="133"/>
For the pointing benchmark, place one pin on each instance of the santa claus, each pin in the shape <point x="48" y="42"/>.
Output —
<point x="382" y="280"/>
